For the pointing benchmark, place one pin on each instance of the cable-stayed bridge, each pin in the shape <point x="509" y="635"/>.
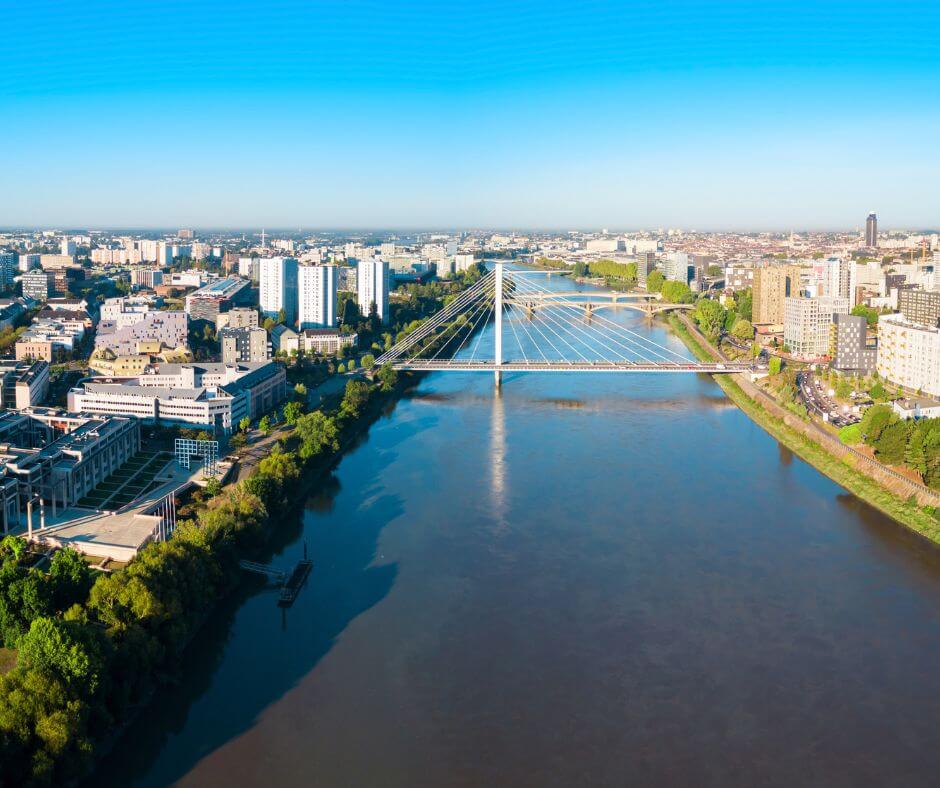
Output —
<point x="536" y="329"/>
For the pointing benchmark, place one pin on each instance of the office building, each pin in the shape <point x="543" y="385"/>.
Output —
<point x="211" y="395"/>
<point x="871" y="230"/>
<point x="772" y="286"/>
<point x="676" y="267"/>
<point x="849" y="347"/>
<point x="37" y="284"/>
<point x="807" y="324"/>
<point x="23" y="384"/>
<point x="60" y="471"/>
<point x="244" y="344"/>
<point x="147" y="278"/>
<point x="372" y="285"/>
<point x="316" y="287"/>
<point x="920" y="306"/>
<point x="217" y="297"/>
<point x="909" y="354"/>
<point x="278" y="283"/>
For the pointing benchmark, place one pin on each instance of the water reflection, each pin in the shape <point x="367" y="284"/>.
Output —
<point x="498" y="458"/>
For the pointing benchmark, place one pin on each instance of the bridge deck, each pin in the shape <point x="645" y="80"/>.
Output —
<point x="569" y="366"/>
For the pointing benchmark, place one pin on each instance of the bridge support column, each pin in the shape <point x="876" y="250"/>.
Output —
<point x="498" y="338"/>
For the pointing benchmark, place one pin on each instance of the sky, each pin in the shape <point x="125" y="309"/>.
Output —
<point x="352" y="114"/>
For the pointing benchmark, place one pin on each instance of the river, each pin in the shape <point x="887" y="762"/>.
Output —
<point x="584" y="580"/>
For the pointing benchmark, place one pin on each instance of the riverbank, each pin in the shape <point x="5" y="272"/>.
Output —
<point x="840" y="470"/>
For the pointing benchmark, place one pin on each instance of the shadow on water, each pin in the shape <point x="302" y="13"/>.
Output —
<point x="161" y="745"/>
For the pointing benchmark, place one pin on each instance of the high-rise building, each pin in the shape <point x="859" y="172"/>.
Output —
<point x="920" y="306"/>
<point x="838" y="278"/>
<point x="316" y="288"/>
<point x="871" y="230"/>
<point x="807" y="324"/>
<point x="278" y="280"/>
<point x="9" y="263"/>
<point x="68" y="247"/>
<point x="676" y="267"/>
<point x="372" y="285"/>
<point x="849" y="350"/>
<point x="772" y="286"/>
<point x="645" y="264"/>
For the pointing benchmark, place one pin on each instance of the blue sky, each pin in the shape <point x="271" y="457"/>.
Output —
<point x="702" y="115"/>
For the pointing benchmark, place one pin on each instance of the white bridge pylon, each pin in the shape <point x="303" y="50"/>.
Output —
<point x="563" y="334"/>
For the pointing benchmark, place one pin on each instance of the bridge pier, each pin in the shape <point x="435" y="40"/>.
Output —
<point x="498" y="378"/>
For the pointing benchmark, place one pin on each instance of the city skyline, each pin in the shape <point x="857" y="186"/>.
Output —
<point x="717" y="117"/>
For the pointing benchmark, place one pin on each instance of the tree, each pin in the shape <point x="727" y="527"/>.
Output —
<point x="709" y="315"/>
<point x="388" y="377"/>
<point x="318" y="433"/>
<point x="55" y="647"/>
<point x="355" y="398"/>
<point x="715" y="270"/>
<point x="341" y="369"/>
<point x="776" y="364"/>
<point x="280" y="466"/>
<point x="350" y="314"/>
<point x="282" y="316"/>
<point x="744" y="303"/>
<point x="292" y="412"/>
<point x="70" y="579"/>
<point x="213" y="487"/>
<point x="300" y="392"/>
<point x="269" y="324"/>
<point x="875" y="420"/>
<point x="677" y="293"/>
<point x="743" y="330"/>
<point x="870" y="315"/>
<point x="244" y="424"/>
<point x="654" y="281"/>
<point x="265" y="425"/>
<point x="892" y="442"/>
<point x="367" y="361"/>
<point x="877" y="392"/>
<point x="14" y="546"/>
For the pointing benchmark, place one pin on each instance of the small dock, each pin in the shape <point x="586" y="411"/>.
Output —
<point x="295" y="582"/>
<point x="291" y="584"/>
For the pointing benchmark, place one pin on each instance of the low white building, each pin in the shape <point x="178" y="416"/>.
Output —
<point x="212" y="395"/>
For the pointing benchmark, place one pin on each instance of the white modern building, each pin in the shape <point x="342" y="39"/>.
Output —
<point x="909" y="354"/>
<point x="278" y="287"/>
<point x="807" y="324"/>
<point x="316" y="288"/>
<point x="212" y="395"/>
<point x="372" y="285"/>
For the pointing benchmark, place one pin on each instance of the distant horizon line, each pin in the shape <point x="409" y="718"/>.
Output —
<point x="339" y="229"/>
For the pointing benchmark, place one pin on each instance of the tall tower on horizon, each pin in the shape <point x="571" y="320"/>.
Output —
<point x="871" y="230"/>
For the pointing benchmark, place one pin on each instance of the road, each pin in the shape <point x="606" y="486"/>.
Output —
<point x="818" y="403"/>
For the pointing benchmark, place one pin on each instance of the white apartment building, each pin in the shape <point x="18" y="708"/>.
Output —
<point x="463" y="262"/>
<point x="316" y="289"/>
<point x="278" y="287"/>
<point x="909" y="354"/>
<point x="372" y="285"/>
<point x="807" y="324"/>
